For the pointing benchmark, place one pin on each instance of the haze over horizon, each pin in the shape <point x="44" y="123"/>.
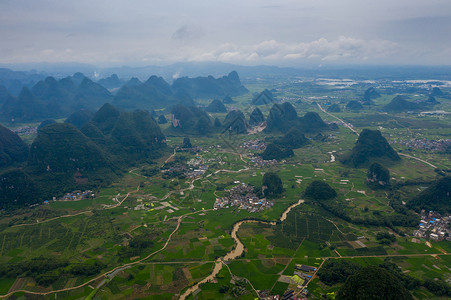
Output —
<point x="283" y="33"/>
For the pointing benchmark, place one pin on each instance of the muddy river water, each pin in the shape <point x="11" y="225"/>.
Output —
<point x="235" y="252"/>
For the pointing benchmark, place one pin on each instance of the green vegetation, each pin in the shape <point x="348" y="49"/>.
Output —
<point x="62" y="158"/>
<point x="256" y="117"/>
<point x="227" y="100"/>
<point x="369" y="146"/>
<point x="435" y="197"/>
<point x="272" y="185"/>
<point x="264" y="98"/>
<point x="319" y="190"/>
<point x="337" y="271"/>
<point x="293" y="139"/>
<point x="235" y="122"/>
<point x="216" y="106"/>
<point x="274" y="151"/>
<point x="283" y="116"/>
<point x="385" y="238"/>
<point x="162" y="119"/>
<point x="400" y="104"/>
<point x="187" y="143"/>
<point x="378" y="176"/>
<point x="373" y="283"/>
<point x="12" y="149"/>
<point x="354" y="105"/>
<point x="191" y="120"/>
<point x="45" y="123"/>
<point x="334" y="108"/>
<point x="370" y="94"/>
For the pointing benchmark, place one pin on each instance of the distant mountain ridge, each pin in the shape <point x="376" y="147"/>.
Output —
<point x="157" y="93"/>
<point x="52" y="98"/>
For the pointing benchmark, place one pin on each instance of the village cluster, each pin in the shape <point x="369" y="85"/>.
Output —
<point x="256" y="159"/>
<point x="427" y="144"/>
<point x="73" y="196"/>
<point x="26" y="130"/>
<point x="254" y="145"/>
<point x="260" y="162"/>
<point x="243" y="197"/>
<point x="433" y="226"/>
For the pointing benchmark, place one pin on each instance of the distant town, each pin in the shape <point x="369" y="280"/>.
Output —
<point x="426" y="144"/>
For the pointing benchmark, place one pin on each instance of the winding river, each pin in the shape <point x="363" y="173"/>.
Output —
<point x="235" y="252"/>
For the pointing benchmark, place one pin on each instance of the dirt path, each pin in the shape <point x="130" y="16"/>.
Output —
<point x="73" y="215"/>
<point x="335" y="226"/>
<point x="170" y="157"/>
<point x="237" y="277"/>
<point x="52" y="219"/>
<point x="231" y="171"/>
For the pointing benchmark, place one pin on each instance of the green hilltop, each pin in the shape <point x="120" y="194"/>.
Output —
<point x="12" y="149"/>
<point x="370" y="146"/>
<point x="436" y="197"/>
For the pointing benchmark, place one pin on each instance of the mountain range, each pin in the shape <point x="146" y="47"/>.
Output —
<point x="283" y="116"/>
<point x="63" y="158"/>
<point x="59" y="98"/>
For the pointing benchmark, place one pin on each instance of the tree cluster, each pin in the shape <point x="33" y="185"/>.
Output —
<point x="319" y="190"/>
<point x="373" y="283"/>
<point x="274" y="151"/>
<point x="272" y="185"/>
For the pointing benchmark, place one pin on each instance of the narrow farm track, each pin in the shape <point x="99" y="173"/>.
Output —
<point x="73" y="215"/>
<point x="52" y="219"/>
<point x="170" y="157"/>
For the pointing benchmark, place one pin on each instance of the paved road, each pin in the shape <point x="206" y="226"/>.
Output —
<point x="348" y="125"/>
<point x="419" y="159"/>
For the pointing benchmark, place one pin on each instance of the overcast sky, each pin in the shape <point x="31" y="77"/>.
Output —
<point x="251" y="32"/>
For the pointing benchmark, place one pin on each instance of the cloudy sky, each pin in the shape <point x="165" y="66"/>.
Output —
<point x="250" y="32"/>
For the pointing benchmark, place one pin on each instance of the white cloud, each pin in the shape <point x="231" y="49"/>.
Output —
<point x="342" y="48"/>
